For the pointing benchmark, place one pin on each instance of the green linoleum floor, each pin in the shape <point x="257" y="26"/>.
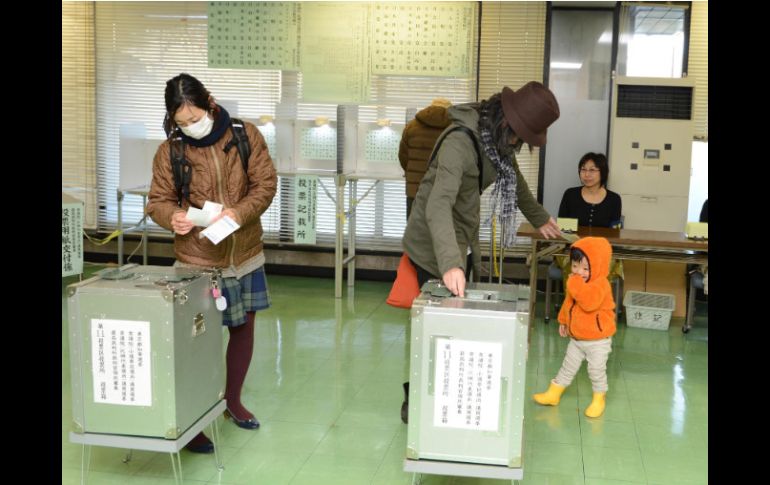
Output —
<point x="325" y="382"/>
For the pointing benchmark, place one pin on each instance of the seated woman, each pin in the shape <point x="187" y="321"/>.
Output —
<point x="592" y="204"/>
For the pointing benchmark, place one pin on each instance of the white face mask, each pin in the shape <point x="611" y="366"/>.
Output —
<point x="199" y="129"/>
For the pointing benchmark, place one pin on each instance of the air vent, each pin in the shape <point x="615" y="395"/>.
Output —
<point x="662" y="102"/>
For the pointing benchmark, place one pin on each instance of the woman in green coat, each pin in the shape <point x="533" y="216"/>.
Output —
<point x="442" y="234"/>
<point x="445" y="218"/>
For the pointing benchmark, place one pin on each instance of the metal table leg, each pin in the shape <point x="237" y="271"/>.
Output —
<point x="339" y="182"/>
<point x="532" y="288"/>
<point x="547" y="315"/>
<point x="144" y="230"/>
<point x="502" y="253"/>
<point x="352" y="205"/>
<point x="120" y="227"/>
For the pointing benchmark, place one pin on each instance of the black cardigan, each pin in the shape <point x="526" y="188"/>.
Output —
<point x="604" y="214"/>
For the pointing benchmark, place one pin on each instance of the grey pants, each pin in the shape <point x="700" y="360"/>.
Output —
<point x="595" y="352"/>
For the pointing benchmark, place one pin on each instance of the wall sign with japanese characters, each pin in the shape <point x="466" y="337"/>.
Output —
<point x="253" y="35"/>
<point x="305" y="208"/>
<point x="339" y="46"/>
<point x="71" y="236"/>
<point x="423" y="38"/>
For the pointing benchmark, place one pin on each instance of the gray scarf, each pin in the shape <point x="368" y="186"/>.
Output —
<point x="503" y="203"/>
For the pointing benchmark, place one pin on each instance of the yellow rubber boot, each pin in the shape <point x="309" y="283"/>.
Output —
<point x="596" y="408"/>
<point x="551" y="397"/>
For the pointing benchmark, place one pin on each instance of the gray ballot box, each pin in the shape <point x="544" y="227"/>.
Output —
<point x="467" y="374"/>
<point x="145" y="351"/>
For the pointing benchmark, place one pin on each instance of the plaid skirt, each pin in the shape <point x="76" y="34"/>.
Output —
<point x="249" y="294"/>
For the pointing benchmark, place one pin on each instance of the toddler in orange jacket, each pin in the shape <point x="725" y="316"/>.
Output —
<point x="588" y="318"/>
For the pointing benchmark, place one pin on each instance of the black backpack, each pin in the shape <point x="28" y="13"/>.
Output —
<point x="181" y="169"/>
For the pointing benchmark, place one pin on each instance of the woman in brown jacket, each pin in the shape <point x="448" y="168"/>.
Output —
<point x="216" y="173"/>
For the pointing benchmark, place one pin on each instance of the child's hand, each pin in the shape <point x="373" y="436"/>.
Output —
<point x="577" y="277"/>
<point x="563" y="331"/>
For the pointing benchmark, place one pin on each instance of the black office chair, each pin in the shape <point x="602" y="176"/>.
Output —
<point x="696" y="283"/>
<point x="696" y="276"/>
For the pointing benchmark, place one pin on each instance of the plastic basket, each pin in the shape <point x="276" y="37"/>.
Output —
<point x="648" y="310"/>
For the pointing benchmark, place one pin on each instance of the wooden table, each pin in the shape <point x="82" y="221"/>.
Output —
<point x="628" y="244"/>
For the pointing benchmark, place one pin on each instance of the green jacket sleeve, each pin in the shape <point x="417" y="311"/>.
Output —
<point x="438" y="211"/>
<point x="532" y="210"/>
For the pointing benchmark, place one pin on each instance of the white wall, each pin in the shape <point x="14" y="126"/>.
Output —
<point x="699" y="179"/>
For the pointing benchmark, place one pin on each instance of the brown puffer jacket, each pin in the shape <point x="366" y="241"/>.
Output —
<point x="417" y="143"/>
<point x="219" y="177"/>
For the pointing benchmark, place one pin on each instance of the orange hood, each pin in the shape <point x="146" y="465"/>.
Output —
<point x="599" y="253"/>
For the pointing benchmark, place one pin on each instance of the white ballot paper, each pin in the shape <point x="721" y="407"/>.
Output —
<point x="212" y="207"/>
<point x="220" y="229"/>
<point x="203" y="217"/>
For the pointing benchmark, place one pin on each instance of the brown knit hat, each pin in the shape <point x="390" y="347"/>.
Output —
<point x="530" y="111"/>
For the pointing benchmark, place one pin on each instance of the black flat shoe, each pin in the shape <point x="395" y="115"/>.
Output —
<point x="405" y="404"/>
<point x="205" y="447"/>
<point x="250" y="423"/>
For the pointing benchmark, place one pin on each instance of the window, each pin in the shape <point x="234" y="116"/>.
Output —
<point x="78" y="161"/>
<point x="652" y="40"/>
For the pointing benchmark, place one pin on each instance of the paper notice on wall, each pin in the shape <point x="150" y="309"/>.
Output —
<point x="120" y="362"/>
<point x="71" y="236"/>
<point x="305" y="209"/>
<point x="467" y="384"/>
<point x="423" y="38"/>
<point x="253" y="35"/>
<point x="334" y="52"/>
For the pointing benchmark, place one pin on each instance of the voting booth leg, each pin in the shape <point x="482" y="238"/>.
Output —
<point x="85" y="462"/>
<point x="176" y="466"/>
<point x="215" y="440"/>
